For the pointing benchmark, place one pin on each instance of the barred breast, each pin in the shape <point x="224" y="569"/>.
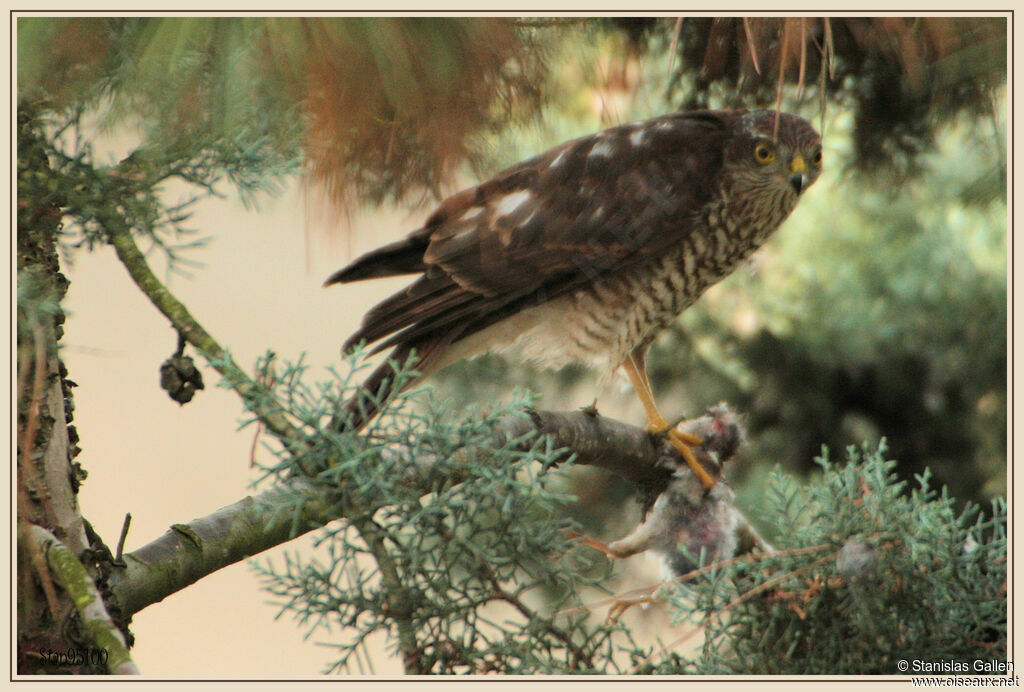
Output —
<point x="604" y="322"/>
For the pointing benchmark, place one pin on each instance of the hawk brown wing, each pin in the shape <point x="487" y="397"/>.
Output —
<point x="544" y="227"/>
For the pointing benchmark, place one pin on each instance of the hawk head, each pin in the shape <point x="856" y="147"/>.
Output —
<point x="772" y="158"/>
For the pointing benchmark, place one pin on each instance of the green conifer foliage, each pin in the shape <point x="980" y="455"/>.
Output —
<point x="869" y="571"/>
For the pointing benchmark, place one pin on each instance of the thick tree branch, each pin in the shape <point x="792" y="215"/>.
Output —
<point x="647" y="461"/>
<point x="595" y="440"/>
<point x="189" y="552"/>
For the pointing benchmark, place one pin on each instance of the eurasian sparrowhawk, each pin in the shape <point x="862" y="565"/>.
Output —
<point x="587" y="251"/>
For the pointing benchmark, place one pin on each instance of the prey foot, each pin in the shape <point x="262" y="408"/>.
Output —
<point x="620" y="549"/>
<point x="595" y="544"/>
<point x="619" y="608"/>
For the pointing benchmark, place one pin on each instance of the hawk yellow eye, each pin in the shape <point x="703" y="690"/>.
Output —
<point x="764" y="154"/>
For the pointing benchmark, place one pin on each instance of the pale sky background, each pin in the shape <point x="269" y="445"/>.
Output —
<point x="167" y="463"/>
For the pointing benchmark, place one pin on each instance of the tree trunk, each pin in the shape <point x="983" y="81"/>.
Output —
<point x="50" y="639"/>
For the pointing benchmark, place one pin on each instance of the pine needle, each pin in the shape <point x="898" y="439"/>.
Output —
<point x="672" y="46"/>
<point x="803" y="59"/>
<point x="783" y="56"/>
<point x="751" y="46"/>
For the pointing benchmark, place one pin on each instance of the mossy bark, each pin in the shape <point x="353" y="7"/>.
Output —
<point x="48" y="476"/>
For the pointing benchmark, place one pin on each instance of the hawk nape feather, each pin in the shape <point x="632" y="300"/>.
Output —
<point x="587" y="251"/>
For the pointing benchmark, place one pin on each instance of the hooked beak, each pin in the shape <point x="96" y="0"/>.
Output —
<point x="798" y="173"/>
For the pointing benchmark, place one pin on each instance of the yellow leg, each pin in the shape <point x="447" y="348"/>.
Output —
<point x="656" y="423"/>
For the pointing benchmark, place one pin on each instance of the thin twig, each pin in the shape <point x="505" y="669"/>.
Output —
<point x="775" y="581"/>
<point x="118" y="559"/>
<point x="516" y="603"/>
<point x="830" y="49"/>
<point x="1000" y="147"/>
<point x="822" y="101"/>
<point x="783" y="56"/>
<point x="649" y="590"/>
<point x="672" y="46"/>
<point x="373" y="537"/>
<point x="268" y="381"/>
<point x="803" y="59"/>
<point x="273" y="416"/>
<point x="760" y="588"/>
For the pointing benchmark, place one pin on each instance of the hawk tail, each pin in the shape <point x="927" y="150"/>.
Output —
<point x="401" y="257"/>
